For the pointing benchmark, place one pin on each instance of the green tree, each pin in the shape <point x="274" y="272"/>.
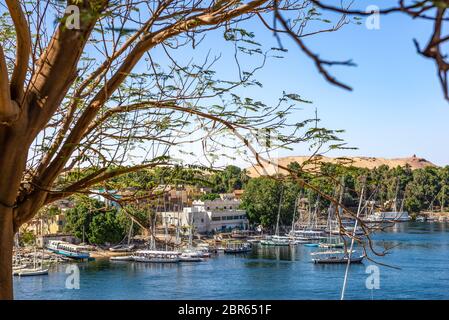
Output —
<point x="262" y="197"/>
<point x="97" y="223"/>
<point x="107" y="227"/>
<point x="228" y="180"/>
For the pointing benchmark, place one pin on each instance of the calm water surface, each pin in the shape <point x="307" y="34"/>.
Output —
<point x="421" y="251"/>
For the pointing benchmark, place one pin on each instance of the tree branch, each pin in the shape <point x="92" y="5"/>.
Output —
<point x="23" y="49"/>
<point x="9" y="110"/>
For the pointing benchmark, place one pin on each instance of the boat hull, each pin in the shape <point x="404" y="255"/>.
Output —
<point x="72" y="255"/>
<point x="155" y="260"/>
<point x="337" y="260"/>
<point x="230" y="251"/>
<point x="122" y="258"/>
<point x="32" y="272"/>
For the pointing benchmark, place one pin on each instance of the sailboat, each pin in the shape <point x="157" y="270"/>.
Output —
<point x="396" y="215"/>
<point x="189" y="254"/>
<point x="341" y="256"/>
<point x="125" y="247"/>
<point x="309" y="234"/>
<point x="38" y="269"/>
<point x="157" y="256"/>
<point x="276" y="239"/>
<point x="332" y="224"/>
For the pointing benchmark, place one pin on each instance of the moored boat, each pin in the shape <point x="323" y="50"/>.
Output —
<point x="67" y="249"/>
<point x="122" y="258"/>
<point x="32" y="272"/>
<point x="122" y="248"/>
<point x="156" y="256"/>
<point x="237" y="247"/>
<point x="335" y="257"/>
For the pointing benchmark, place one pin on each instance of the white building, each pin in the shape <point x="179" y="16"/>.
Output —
<point x="207" y="216"/>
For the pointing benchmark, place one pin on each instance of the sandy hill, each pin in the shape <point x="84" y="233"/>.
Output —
<point x="361" y="162"/>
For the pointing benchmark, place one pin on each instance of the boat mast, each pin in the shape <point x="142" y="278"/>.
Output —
<point x="315" y="213"/>
<point x="279" y="211"/>
<point x="130" y="232"/>
<point x="294" y="212"/>
<point x="443" y="189"/>
<point x="395" y="209"/>
<point x="191" y="230"/>
<point x="359" y="209"/>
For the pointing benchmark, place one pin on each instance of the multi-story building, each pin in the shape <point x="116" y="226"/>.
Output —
<point x="209" y="216"/>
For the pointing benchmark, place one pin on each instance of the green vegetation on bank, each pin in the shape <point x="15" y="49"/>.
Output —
<point x="416" y="190"/>
<point x="92" y="221"/>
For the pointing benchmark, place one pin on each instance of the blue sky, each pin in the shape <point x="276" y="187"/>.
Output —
<point x="397" y="107"/>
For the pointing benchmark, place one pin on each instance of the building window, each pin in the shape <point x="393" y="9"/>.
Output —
<point x="224" y="207"/>
<point x="230" y="207"/>
<point x="216" y="218"/>
<point x="202" y="220"/>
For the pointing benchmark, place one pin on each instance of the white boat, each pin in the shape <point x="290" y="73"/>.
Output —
<point x="307" y="235"/>
<point x="17" y="269"/>
<point x="156" y="256"/>
<point x="237" y="247"/>
<point x="191" y="256"/>
<point x="67" y="249"/>
<point x="420" y="219"/>
<point x="32" y="272"/>
<point x="122" y="248"/>
<point x="278" y="241"/>
<point x="391" y="216"/>
<point x="335" y="257"/>
<point x="122" y="258"/>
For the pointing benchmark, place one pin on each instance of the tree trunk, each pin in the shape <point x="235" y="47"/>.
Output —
<point x="6" y="246"/>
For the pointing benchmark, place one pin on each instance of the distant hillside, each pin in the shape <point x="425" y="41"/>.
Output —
<point x="360" y="162"/>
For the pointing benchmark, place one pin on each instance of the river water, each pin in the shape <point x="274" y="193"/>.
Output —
<point x="421" y="251"/>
